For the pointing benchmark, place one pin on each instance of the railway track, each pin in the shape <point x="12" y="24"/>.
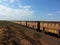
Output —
<point x="49" y="40"/>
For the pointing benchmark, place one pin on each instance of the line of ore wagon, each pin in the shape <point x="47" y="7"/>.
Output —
<point x="48" y="27"/>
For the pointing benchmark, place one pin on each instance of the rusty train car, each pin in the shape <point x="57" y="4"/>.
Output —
<point x="52" y="27"/>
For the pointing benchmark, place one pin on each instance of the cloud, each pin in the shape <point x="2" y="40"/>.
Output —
<point x="14" y="10"/>
<point x="11" y="13"/>
<point x="58" y="11"/>
<point x="12" y="1"/>
<point x="5" y="0"/>
<point x="25" y="7"/>
<point x="50" y="14"/>
<point x="54" y="13"/>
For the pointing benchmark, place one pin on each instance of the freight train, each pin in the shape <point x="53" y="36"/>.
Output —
<point x="48" y="27"/>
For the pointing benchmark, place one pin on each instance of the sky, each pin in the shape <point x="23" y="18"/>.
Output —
<point x="35" y="10"/>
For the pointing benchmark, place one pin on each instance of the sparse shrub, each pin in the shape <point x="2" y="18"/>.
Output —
<point x="21" y="31"/>
<point x="26" y="37"/>
<point x="36" y="35"/>
<point x="0" y="37"/>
